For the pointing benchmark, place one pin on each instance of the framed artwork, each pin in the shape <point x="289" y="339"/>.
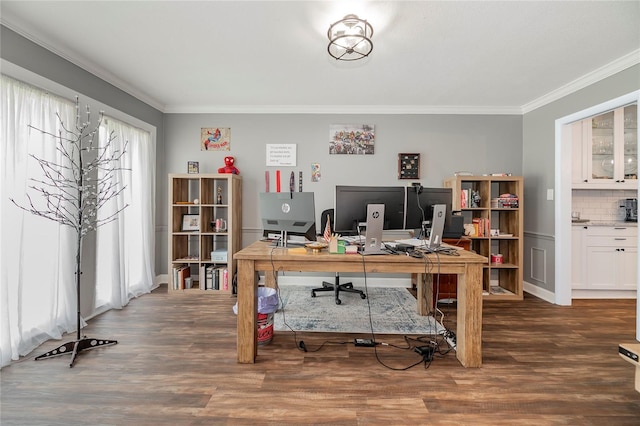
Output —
<point x="315" y="172"/>
<point x="190" y="222"/>
<point x="215" y="139"/>
<point x="358" y="139"/>
<point x="193" y="167"/>
<point x="408" y="166"/>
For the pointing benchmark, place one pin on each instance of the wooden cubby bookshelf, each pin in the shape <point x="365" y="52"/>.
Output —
<point x="500" y="281"/>
<point x="219" y="196"/>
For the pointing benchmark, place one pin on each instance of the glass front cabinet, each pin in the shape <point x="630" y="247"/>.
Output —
<point x="606" y="150"/>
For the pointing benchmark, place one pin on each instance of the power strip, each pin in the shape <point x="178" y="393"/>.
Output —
<point x="629" y="354"/>
<point x="450" y="338"/>
<point x="368" y="343"/>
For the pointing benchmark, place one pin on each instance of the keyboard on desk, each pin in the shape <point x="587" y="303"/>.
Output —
<point x="353" y="239"/>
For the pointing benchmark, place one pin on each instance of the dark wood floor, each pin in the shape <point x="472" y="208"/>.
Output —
<point x="175" y="363"/>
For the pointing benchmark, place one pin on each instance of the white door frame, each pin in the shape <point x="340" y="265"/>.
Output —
<point x="563" y="291"/>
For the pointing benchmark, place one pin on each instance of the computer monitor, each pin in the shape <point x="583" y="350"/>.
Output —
<point x="351" y="206"/>
<point x="288" y="214"/>
<point x="420" y="202"/>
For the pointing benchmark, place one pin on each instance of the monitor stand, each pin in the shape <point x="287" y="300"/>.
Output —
<point x="284" y="241"/>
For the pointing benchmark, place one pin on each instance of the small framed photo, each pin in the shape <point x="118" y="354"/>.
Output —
<point x="190" y="222"/>
<point x="193" y="167"/>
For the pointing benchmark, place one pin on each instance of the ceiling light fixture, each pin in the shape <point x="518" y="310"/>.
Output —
<point x="350" y="39"/>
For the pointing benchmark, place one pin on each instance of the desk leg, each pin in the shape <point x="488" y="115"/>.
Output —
<point x="424" y="294"/>
<point x="469" y="318"/>
<point x="247" y="312"/>
<point x="270" y="279"/>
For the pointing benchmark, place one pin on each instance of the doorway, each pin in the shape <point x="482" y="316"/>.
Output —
<point x="562" y="214"/>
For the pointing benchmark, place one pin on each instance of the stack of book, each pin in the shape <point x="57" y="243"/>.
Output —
<point x="215" y="278"/>
<point x="481" y="226"/>
<point x="505" y="201"/>
<point x="180" y="273"/>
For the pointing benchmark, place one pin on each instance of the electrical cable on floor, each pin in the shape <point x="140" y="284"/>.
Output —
<point x="300" y="345"/>
<point x="426" y="357"/>
<point x="427" y="352"/>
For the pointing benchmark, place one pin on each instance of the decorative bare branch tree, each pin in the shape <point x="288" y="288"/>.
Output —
<point x="73" y="191"/>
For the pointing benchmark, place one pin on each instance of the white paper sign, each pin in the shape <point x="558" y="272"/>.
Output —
<point x="281" y="155"/>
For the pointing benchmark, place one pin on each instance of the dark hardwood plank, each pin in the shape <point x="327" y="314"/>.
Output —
<point x="175" y="363"/>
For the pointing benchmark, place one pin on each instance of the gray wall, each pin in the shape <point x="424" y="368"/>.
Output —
<point x="447" y="143"/>
<point x="539" y="169"/>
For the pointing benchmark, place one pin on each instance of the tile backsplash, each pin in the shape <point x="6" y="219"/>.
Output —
<point x="600" y="204"/>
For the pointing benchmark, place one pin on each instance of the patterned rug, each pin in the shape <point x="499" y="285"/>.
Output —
<point x="392" y="311"/>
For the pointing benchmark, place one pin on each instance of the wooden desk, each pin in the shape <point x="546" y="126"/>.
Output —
<point x="468" y="267"/>
<point x="448" y="283"/>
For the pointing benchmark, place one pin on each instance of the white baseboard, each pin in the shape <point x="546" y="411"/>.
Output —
<point x="358" y="282"/>
<point x="550" y="297"/>
<point x="539" y="292"/>
<point x="294" y="279"/>
<point x="603" y="294"/>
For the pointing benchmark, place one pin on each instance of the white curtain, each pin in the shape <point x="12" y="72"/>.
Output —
<point x="37" y="255"/>
<point x="125" y="247"/>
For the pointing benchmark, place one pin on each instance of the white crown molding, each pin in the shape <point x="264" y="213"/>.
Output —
<point x="601" y="73"/>
<point x="341" y="109"/>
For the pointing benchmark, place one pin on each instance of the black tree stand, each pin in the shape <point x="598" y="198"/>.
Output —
<point x="81" y="343"/>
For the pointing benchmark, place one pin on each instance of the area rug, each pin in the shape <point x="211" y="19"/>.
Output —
<point x="386" y="310"/>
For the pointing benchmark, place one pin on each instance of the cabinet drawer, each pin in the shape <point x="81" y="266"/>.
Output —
<point x="611" y="241"/>
<point x="612" y="231"/>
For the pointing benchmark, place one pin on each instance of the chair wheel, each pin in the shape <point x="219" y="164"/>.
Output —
<point x="338" y="301"/>
<point x="363" y="296"/>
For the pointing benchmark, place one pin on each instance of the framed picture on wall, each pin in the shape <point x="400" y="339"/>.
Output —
<point x="352" y="139"/>
<point x="193" y="167"/>
<point x="408" y="166"/>
<point x="215" y="139"/>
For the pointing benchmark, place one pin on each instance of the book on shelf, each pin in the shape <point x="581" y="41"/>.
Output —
<point x="464" y="198"/>
<point x="216" y="277"/>
<point x="481" y="227"/>
<point x="225" y="279"/>
<point x="209" y="277"/>
<point x="202" y="277"/>
<point x="180" y="273"/>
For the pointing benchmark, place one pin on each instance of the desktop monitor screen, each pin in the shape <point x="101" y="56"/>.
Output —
<point x="420" y="206"/>
<point x="351" y="206"/>
<point x="291" y="212"/>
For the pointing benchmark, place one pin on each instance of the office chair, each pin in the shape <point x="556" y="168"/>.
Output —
<point x="336" y="287"/>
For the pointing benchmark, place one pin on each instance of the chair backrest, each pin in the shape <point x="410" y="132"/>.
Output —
<point x="323" y="220"/>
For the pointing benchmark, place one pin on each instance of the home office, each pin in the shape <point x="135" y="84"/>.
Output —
<point x="271" y="259"/>
<point x="497" y="114"/>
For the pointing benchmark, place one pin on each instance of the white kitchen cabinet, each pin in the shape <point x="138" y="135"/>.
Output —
<point x="605" y="150"/>
<point x="578" y="253"/>
<point x="610" y="258"/>
<point x="579" y="155"/>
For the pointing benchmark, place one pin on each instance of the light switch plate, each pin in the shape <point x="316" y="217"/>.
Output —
<point x="550" y="194"/>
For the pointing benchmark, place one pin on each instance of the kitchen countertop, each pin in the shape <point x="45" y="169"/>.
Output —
<point x="586" y="222"/>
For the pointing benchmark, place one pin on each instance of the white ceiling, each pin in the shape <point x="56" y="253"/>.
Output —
<point x="271" y="56"/>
